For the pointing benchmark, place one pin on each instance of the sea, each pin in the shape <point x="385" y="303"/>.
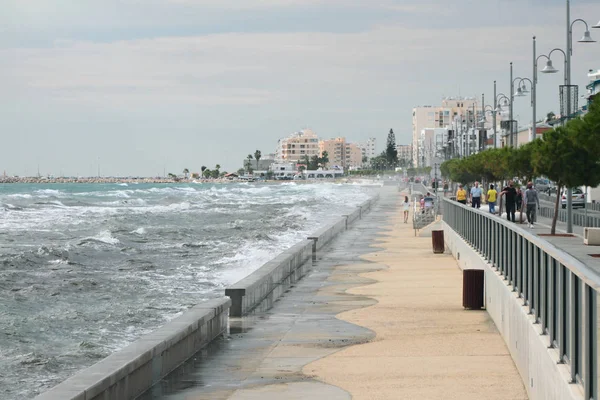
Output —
<point x="86" y="269"/>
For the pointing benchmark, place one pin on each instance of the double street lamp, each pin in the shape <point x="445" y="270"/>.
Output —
<point x="568" y="92"/>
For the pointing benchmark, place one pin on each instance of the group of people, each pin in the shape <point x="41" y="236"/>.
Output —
<point x="426" y="202"/>
<point x="514" y="199"/>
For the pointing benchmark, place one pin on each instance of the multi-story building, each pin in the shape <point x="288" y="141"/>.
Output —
<point x="295" y="147"/>
<point x="593" y="88"/>
<point x="454" y="111"/>
<point x="368" y="148"/>
<point x="354" y="156"/>
<point x="405" y="152"/>
<point x="341" y="153"/>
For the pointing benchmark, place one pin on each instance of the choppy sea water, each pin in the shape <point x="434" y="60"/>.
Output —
<point x="85" y="269"/>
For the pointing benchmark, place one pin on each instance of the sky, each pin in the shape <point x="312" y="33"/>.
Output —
<point x="143" y="87"/>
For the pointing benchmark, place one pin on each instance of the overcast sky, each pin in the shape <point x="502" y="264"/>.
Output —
<point x="140" y="86"/>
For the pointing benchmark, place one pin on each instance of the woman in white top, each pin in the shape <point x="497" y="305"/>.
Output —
<point x="406" y="207"/>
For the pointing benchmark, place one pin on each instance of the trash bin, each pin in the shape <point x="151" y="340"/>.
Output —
<point x="437" y="240"/>
<point x="473" y="283"/>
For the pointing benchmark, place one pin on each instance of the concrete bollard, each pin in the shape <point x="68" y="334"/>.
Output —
<point x="346" y="216"/>
<point x="314" y="247"/>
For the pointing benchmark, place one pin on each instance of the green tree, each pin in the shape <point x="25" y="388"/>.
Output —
<point x="207" y="173"/>
<point x="186" y="172"/>
<point x="314" y="162"/>
<point x="248" y="165"/>
<point x="324" y="159"/>
<point x="240" y="171"/>
<point x="306" y="161"/>
<point x="257" y="157"/>
<point x="391" y="152"/>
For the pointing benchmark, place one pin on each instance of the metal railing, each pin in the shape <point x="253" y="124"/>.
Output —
<point x="552" y="198"/>
<point x="559" y="290"/>
<point x="579" y="219"/>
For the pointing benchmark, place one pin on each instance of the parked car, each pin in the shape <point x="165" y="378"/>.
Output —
<point x="541" y="184"/>
<point x="577" y="200"/>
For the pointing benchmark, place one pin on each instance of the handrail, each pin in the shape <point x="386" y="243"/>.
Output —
<point x="559" y="290"/>
<point x="589" y="275"/>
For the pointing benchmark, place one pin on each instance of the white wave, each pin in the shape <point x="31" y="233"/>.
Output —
<point x="49" y="192"/>
<point x="105" y="237"/>
<point x="139" y="231"/>
<point x="57" y="262"/>
<point x="122" y="184"/>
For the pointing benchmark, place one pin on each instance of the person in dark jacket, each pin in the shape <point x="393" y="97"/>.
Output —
<point x="510" y="197"/>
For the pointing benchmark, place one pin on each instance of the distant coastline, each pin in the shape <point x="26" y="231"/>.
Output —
<point x="108" y="180"/>
<point x="112" y="180"/>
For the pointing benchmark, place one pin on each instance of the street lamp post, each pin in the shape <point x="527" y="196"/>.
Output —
<point x="510" y="112"/>
<point x="494" y="116"/>
<point x="550" y="69"/>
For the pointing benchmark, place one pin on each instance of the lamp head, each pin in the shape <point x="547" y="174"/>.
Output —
<point x="524" y="89"/>
<point x="587" y="38"/>
<point x="519" y="93"/>
<point x="597" y="25"/>
<point x="549" y="68"/>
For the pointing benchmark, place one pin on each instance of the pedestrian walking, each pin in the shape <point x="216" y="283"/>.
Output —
<point x="531" y="201"/>
<point x="510" y="196"/>
<point x="476" y="196"/>
<point x="519" y="200"/>
<point x="461" y="194"/>
<point x="445" y="188"/>
<point x="406" y="208"/>
<point x="491" y="199"/>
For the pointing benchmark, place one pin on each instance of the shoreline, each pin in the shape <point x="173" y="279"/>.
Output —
<point x="110" y="180"/>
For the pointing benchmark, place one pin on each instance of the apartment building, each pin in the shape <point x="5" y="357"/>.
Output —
<point x="404" y="152"/>
<point x="453" y="111"/>
<point x="341" y="153"/>
<point x="295" y="147"/>
<point x="368" y="148"/>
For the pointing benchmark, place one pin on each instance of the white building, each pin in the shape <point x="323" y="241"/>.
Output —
<point x="455" y="113"/>
<point x="368" y="148"/>
<point x="404" y="152"/>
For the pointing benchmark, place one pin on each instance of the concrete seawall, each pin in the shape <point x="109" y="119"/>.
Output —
<point x="133" y="370"/>
<point x="268" y="283"/>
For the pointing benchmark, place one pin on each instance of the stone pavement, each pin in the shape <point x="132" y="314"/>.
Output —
<point x="402" y="332"/>
<point x="426" y="345"/>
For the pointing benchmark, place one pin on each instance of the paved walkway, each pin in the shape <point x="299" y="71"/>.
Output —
<point x="426" y="345"/>
<point x="378" y="317"/>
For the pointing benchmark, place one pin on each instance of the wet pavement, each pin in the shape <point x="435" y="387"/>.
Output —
<point x="263" y="354"/>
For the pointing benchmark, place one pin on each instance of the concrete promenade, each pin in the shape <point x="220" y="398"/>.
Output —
<point x="378" y="317"/>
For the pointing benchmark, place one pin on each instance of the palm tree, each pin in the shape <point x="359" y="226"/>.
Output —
<point x="202" y="169"/>
<point x="186" y="172"/>
<point x="324" y="159"/>
<point x="257" y="156"/>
